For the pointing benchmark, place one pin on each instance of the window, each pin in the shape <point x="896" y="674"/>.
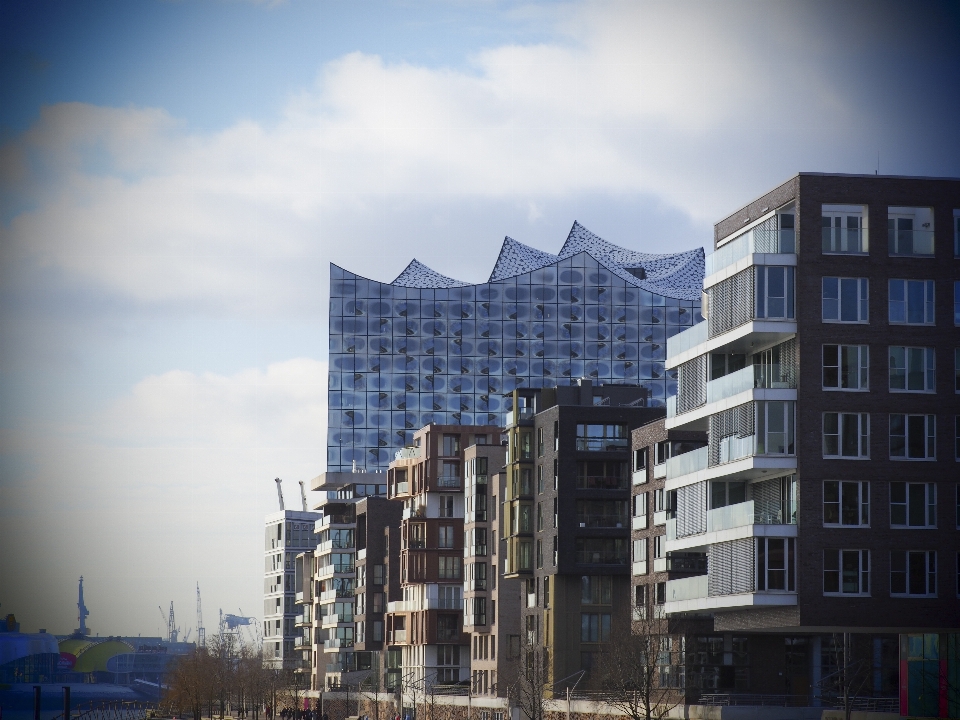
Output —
<point x="539" y="553"/>
<point x="660" y="597"/>
<point x="956" y="439"/>
<point x="775" y="427"/>
<point x="775" y="295"/>
<point x="555" y="511"/>
<point x="956" y="233"/>
<point x="540" y="442"/>
<point x="546" y="592"/>
<point x="446" y="506"/>
<point x="912" y="369"/>
<point x="846" y="572"/>
<point x="844" y="229"/>
<point x="846" y="367"/>
<point x="640" y="554"/>
<point x="445" y="536"/>
<point x="594" y="627"/>
<point x="956" y="302"/>
<point x="846" y="503"/>
<point x="727" y="492"/>
<point x="658" y="546"/>
<point x="640" y="456"/>
<point x="775" y="564"/>
<point x="449" y="567"/>
<point x="913" y="504"/>
<point x="661" y="452"/>
<point x="539" y="478"/>
<point x="593" y="437"/>
<point x="956" y="370"/>
<point x="910" y="231"/>
<point x="640" y="504"/>
<point x="846" y="435"/>
<point x="596" y="590"/>
<point x="556" y="435"/>
<point x="913" y="437"/>
<point x="911" y="302"/>
<point x="846" y="299"/>
<point x="539" y="517"/>
<point x="451" y="445"/>
<point x="913" y="572"/>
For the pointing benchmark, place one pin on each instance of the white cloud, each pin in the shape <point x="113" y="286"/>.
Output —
<point x="168" y="484"/>
<point x="684" y="102"/>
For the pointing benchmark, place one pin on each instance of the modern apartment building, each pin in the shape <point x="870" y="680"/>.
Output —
<point x="426" y="626"/>
<point x="491" y="602"/>
<point x="566" y="510"/>
<point x="334" y="575"/>
<point x="825" y="377"/>
<point x="288" y="533"/>
<point x="426" y="348"/>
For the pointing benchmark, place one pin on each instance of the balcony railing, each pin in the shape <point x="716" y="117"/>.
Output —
<point x="640" y="477"/>
<point x="348" y="519"/>
<point x="602" y="482"/>
<point x="602" y="444"/>
<point x="764" y="238"/>
<point x="687" y="563"/>
<point x="407" y="453"/>
<point x="659" y="470"/>
<point x="734" y="448"/>
<point x="402" y="488"/>
<point x="602" y="521"/>
<point x="524" y="413"/>
<point x="481" y="479"/>
<point x="689" y="338"/>
<point x="688" y="462"/>
<point x="480" y="550"/>
<point x="447" y="634"/>
<point x="740" y="514"/>
<point x="672" y="406"/>
<point x="330" y="595"/>
<point x="336" y="619"/>
<point x="337" y="568"/>
<point x="450" y="481"/>
<point x="689" y="588"/>
<point x="597" y="557"/>
<point x="397" y="636"/>
<point x="336" y="643"/>
<point x="910" y="242"/>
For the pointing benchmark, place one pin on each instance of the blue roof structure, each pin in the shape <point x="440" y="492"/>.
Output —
<point x="676" y="275"/>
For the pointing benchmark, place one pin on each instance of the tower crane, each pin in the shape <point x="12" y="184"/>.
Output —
<point x="201" y="631"/>
<point x="279" y="493"/>
<point x="172" y="631"/>
<point x="82" y="612"/>
<point x="303" y="496"/>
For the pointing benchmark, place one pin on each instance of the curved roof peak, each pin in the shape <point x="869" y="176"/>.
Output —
<point x="418" y="275"/>
<point x="515" y="258"/>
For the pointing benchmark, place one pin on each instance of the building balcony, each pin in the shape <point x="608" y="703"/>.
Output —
<point x="346" y="570"/>
<point x="325" y="548"/>
<point x="302" y="621"/>
<point x="416" y="511"/>
<point x="737" y="462"/>
<point x="298" y="598"/>
<point x="762" y="244"/>
<point x="341" y="519"/>
<point x="588" y="444"/>
<point x="731" y="523"/>
<point x="335" y="644"/>
<point x="448" y="481"/>
<point x="692" y="595"/>
<point x="338" y="594"/>
<point x="335" y="620"/>
<point x="301" y="641"/>
<point x="754" y="382"/>
<point x="429" y="603"/>
<point x="602" y="482"/>
<point x="603" y="521"/>
<point x="597" y="557"/>
<point x="695" y="341"/>
<point x="397" y="637"/>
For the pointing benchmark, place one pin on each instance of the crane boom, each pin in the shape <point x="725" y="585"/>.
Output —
<point x="303" y="496"/>
<point x="279" y="493"/>
<point x="201" y="631"/>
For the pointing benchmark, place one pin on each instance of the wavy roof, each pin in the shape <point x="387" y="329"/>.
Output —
<point x="676" y="275"/>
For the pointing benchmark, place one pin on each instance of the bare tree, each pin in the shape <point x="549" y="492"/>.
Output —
<point x="637" y="670"/>
<point x="850" y="673"/>
<point x="527" y="690"/>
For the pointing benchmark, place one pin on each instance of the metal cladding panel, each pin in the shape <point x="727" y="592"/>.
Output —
<point x="692" y="384"/>
<point x="766" y="498"/>
<point x="730" y="567"/>
<point x="430" y="349"/>
<point x="738" y="421"/>
<point x="732" y="302"/>
<point x="692" y="509"/>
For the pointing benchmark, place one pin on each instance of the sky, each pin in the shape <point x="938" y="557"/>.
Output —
<point x="176" y="177"/>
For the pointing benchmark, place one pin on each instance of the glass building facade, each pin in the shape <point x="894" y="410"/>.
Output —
<point x="426" y="348"/>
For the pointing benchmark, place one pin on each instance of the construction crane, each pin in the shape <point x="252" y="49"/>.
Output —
<point x="230" y="623"/>
<point x="82" y="612"/>
<point x="201" y="631"/>
<point x="172" y="631"/>
<point x="280" y="493"/>
<point x="303" y="496"/>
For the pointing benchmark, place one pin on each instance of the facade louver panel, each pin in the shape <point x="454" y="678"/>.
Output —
<point x="766" y="236"/>
<point x="766" y="498"/>
<point x="730" y="567"/>
<point x="692" y="384"/>
<point x="732" y="302"/>
<point x="692" y="509"/>
<point x="736" y="422"/>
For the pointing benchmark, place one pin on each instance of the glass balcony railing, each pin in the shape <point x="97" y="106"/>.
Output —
<point x="598" y="557"/>
<point x="734" y="448"/>
<point x="689" y="338"/>
<point x="739" y="515"/>
<point x="602" y="444"/>
<point x="911" y="242"/>
<point x="602" y="482"/>
<point x="764" y="238"/>
<point x="753" y="376"/>
<point x="688" y="462"/>
<point x="602" y="521"/>
<point x="691" y="588"/>
<point x="448" y="481"/>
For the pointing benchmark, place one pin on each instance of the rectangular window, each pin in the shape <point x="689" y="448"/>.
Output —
<point x="846" y="435"/>
<point x="956" y="302"/>
<point x="913" y="572"/>
<point x="775" y="564"/>
<point x="956" y="233"/>
<point x="540" y="442"/>
<point x="451" y="445"/>
<point x="846" y="367"/>
<point x="594" y="627"/>
<point x="640" y="511"/>
<point x="956" y="370"/>
<point x="658" y="545"/>
<point x="775" y="292"/>
<point x="911" y="302"/>
<point x="596" y="590"/>
<point x="846" y="300"/>
<point x="910" y="231"/>
<point x="956" y="438"/>
<point x="846" y="503"/>
<point x="913" y="437"/>
<point x="844" y="229"/>
<point x="775" y="427"/>
<point x="846" y="572"/>
<point x="446" y="506"/>
<point x="539" y="478"/>
<point x="640" y="456"/>
<point x="595" y="437"/>
<point x="640" y="550"/>
<point x="913" y="505"/>
<point x="445" y="536"/>
<point x="912" y="369"/>
<point x="449" y="568"/>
